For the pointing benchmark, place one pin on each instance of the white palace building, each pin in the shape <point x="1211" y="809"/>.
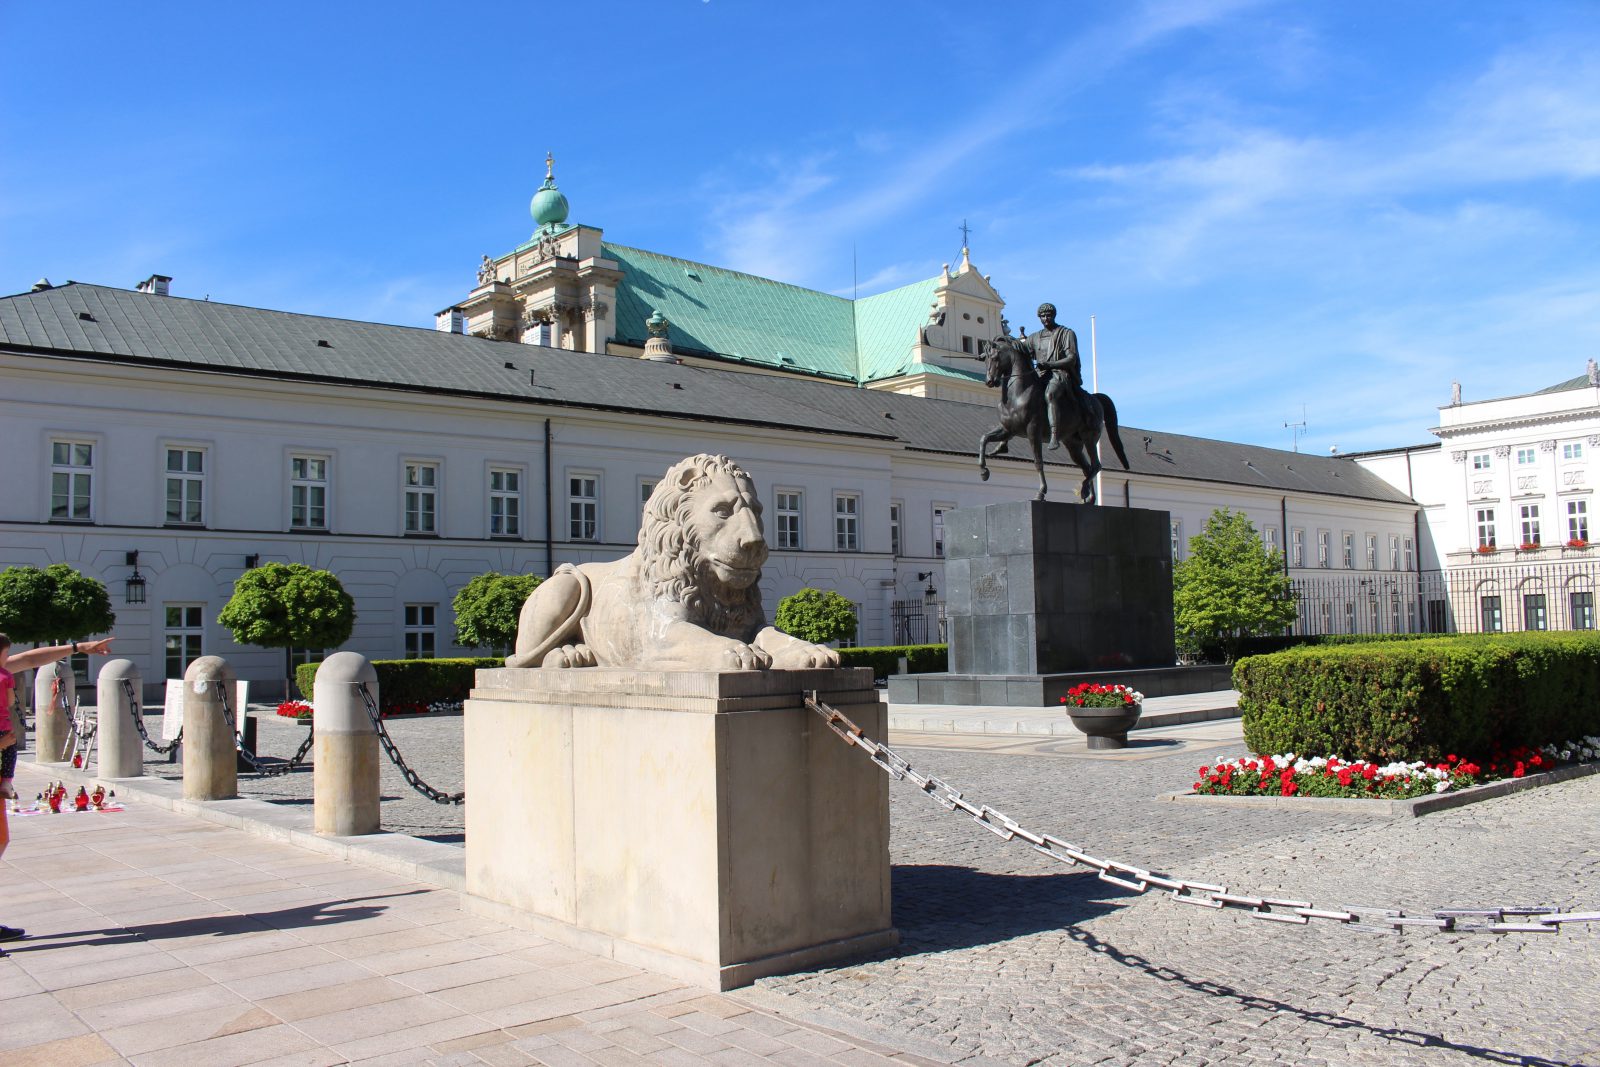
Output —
<point x="164" y="444"/>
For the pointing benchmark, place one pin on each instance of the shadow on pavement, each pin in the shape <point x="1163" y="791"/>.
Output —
<point x="938" y="907"/>
<point x="323" y="913"/>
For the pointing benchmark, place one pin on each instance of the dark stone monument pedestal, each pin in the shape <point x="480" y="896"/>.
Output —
<point x="1042" y="594"/>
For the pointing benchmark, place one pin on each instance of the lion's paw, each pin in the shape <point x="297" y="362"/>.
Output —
<point x="569" y="656"/>
<point x="738" y="656"/>
<point x="803" y="656"/>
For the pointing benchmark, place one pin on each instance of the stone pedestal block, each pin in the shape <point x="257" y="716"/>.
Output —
<point x="210" y="770"/>
<point x="702" y="824"/>
<point x="345" y="763"/>
<point x="55" y="692"/>
<point x="1043" y="587"/>
<point x="121" y="749"/>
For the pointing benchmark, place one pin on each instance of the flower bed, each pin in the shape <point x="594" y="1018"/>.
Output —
<point x="297" y="710"/>
<point x="1291" y="775"/>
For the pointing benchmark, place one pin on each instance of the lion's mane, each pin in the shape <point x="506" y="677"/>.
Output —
<point x="670" y="558"/>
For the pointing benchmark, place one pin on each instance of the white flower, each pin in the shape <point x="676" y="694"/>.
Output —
<point x="1441" y="787"/>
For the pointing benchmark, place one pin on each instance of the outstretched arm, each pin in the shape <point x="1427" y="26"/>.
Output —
<point x="38" y="657"/>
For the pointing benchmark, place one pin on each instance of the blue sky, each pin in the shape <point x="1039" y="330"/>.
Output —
<point x="1342" y="206"/>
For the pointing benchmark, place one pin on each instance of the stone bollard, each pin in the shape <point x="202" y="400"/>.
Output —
<point x="52" y="724"/>
<point x="209" y="769"/>
<point x="344" y="771"/>
<point x="121" y="749"/>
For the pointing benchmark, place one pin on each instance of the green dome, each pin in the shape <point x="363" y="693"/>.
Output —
<point x="548" y="207"/>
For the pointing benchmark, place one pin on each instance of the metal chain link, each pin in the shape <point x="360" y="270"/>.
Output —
<point x="266" y="770"/>
<point x="1497" y="920"/>
<point x="413" y="779"/>
<point x="138" y="722"/>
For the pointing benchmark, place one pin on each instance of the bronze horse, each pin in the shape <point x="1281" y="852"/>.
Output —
<point x="1022" y="414"/>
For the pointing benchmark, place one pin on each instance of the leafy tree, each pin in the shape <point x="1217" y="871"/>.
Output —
<point x="287" y="606"/>
<point x="487" y="608"/>
<point x="1230" y="587"/>
<point x="816" y="615"/>
<point x="53" y="604"/>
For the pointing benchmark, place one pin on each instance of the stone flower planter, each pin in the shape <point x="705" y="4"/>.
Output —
<point x="1106" y="727"/>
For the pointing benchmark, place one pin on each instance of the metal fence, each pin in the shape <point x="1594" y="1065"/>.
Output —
<point x="917" y="622"/>
<point x="1486" y="598"/>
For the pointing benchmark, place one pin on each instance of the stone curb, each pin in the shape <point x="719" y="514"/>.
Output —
<point x="429" y="862"/>
<point x="1393" y="809"/>
<point x="916" y="723"/>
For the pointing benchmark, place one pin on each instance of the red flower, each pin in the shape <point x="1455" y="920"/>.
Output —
<point x="1289" y="788"/>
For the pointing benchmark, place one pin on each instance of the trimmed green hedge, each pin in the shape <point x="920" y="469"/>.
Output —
<point x="429" y="681"/>
<point x="885" y="659"/>
<point x="1422" y="699"/>
<point x="405" y="682"/>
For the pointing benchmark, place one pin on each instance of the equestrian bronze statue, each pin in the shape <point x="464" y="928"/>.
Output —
<point x="1078" y="418"/>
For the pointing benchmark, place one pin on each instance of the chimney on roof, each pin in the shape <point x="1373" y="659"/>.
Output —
<point x="450" y="320"/>
<point x="41" y="285"/>
<point x="155" y="285"/>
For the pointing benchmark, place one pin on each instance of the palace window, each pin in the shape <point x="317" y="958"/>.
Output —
<point x="1578" y="520"/>
<point x="1177" y="540"/>
<point x="1583" y="610"/>
<point x="1269" y="538"/>
<point x="789" y="518"/>
<point x="308" y="492"/>
<point x="184" y="636"/>
<point x="1485" y="523"/>
<point x="1372" y="552"/>
<point x="894" y="529"/>
<point x="185" y="486"/>
<point x="1489" y="612"/>
<point x="71" y="481"/>
<point x="1323" y="538"/>
<point x="583" y="507"/>
<point x="1348" y="543"/>
<point x="846" y="522"/>
<point x="1530" y="524"/>
<point x="1410" y="553"/>
<point x="422" y="498"/>
<point x="938" y="528"/>
<point x="1534" y="615"/>
<point x="1480" y="461"/>
<point x="1526" y="457"/>
<point x="505" y="502"/>
<point x="419" y="631"/>
<point x="1298" y="559"/>
<point x="1394" y="552"/>
<point x="1572" y="450"/>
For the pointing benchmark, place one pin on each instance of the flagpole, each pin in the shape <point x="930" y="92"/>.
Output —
<point x="1094" y="387"/>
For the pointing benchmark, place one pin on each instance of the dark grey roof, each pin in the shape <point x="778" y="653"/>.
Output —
<point x="954" y="427"/>
<point x="126" y="326"/>
<point x="1580" y="382"/>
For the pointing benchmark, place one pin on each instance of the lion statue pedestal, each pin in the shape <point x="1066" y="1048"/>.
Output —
<point x="646" y="780"/>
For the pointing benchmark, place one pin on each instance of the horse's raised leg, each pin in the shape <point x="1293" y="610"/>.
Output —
<point x="999" y="433"/>
<point x="1036" y="442"/>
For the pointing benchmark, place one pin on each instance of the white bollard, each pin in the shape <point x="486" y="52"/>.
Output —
<point x="210" y="768"/>
<point x="344" y="771"/>
<point x="52" y="724"/>
<point x="121" y="749"/>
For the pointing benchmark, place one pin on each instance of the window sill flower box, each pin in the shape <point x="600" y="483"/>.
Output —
<point x="1529" y="546"/>
<point x="1577" y="542"/>
<point x="1484" y="550"/>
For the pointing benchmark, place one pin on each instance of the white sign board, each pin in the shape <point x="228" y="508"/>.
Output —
<point x="172" y="710"/>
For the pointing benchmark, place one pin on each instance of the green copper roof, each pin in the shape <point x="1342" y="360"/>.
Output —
<point x="886" y="329"/>
<point x="758" y="321"/>
<point x="725" y="313"/>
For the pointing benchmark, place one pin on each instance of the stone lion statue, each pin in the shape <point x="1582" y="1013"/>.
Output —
<point x="688" y="598"/>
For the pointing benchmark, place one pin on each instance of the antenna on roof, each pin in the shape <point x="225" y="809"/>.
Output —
<point x="853" y="274"/>
<point x="1298" y="427"/>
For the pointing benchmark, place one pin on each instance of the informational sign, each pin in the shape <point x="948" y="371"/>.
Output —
<point x="172" y="710"/>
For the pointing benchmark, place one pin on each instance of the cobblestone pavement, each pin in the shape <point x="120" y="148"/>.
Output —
<point x="1008" y="958"/>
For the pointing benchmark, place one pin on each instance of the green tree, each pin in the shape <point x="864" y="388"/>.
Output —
<point x="287" y="606"/>
<point x="816" y="615"/>
<point x="1230" y="587"/>
<point x="53" y="604"/>
<point x="487" y="608"/>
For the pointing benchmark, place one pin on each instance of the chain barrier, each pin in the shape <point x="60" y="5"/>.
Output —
<point x="138" y="722"/>
<point x="1496" y="920"/>
<point x="413" y="779"/>
<point x="83" y="731"/>
<point x="266" y="770"/>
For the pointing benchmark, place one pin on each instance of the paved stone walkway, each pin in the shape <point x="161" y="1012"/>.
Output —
<point x="164" y="940"/>
<point x="1009" y="959"/>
